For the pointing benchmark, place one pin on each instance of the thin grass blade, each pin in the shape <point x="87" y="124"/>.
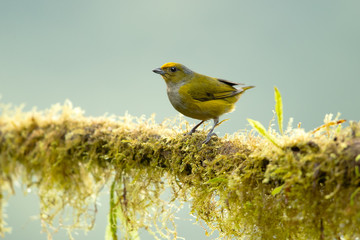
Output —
<point x="279" y="109"/>
<point x="262" y="131"/>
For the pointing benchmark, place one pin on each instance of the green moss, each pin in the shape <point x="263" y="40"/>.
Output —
<point x="240" y="185"/>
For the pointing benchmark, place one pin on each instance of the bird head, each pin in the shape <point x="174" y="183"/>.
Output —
<point x="174" y="72"/>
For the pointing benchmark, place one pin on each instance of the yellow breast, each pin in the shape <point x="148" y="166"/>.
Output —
<point x="186" y="104"/>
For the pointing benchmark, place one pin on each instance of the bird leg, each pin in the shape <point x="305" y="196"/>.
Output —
<point x="194" y="128"/>
<point x="211" y="133"/>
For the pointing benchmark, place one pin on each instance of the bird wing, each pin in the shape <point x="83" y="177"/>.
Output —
<point x="229" y="82"/>
<point x="206" y="88"/>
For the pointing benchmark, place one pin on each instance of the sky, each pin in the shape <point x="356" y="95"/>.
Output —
<point x="100" y="56"/>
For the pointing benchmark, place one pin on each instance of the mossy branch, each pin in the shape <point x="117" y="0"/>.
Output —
<point x="241" y="185"/>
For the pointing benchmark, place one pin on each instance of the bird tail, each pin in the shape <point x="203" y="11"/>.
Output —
<point x="246" y="88"/>
<point x="241" y="90"/>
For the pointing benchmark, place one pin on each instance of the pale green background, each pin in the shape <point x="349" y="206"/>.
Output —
<point x="99" y="54"/>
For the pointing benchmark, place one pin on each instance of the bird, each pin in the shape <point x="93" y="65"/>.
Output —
<point x="199" y="96"/>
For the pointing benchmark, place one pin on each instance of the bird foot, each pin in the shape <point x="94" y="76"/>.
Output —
<point x="208" y="137"/>
<point x="189" y="133"/>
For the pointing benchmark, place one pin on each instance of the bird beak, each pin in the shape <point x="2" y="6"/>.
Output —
<point x="159" y="71"/>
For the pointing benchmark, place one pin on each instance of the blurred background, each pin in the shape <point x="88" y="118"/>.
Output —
<point x="100" y="56"/>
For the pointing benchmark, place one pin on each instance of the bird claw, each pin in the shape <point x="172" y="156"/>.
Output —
<point x="189" y="133"/>
<point x="208" y="138"/>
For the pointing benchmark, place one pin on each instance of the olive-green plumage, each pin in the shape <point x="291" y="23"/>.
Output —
<point x="199" y="96"/>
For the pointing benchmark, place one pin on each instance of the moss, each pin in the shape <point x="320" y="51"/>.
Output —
<point x="241" y="185"/>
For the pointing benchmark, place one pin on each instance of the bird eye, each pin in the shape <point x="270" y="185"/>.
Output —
<point x="173" y="69"/>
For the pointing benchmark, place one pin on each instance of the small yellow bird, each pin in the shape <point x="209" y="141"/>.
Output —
<point x="199" y="96"/>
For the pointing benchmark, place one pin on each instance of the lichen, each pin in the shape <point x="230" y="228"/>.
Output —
<point x="242" y="185"/>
